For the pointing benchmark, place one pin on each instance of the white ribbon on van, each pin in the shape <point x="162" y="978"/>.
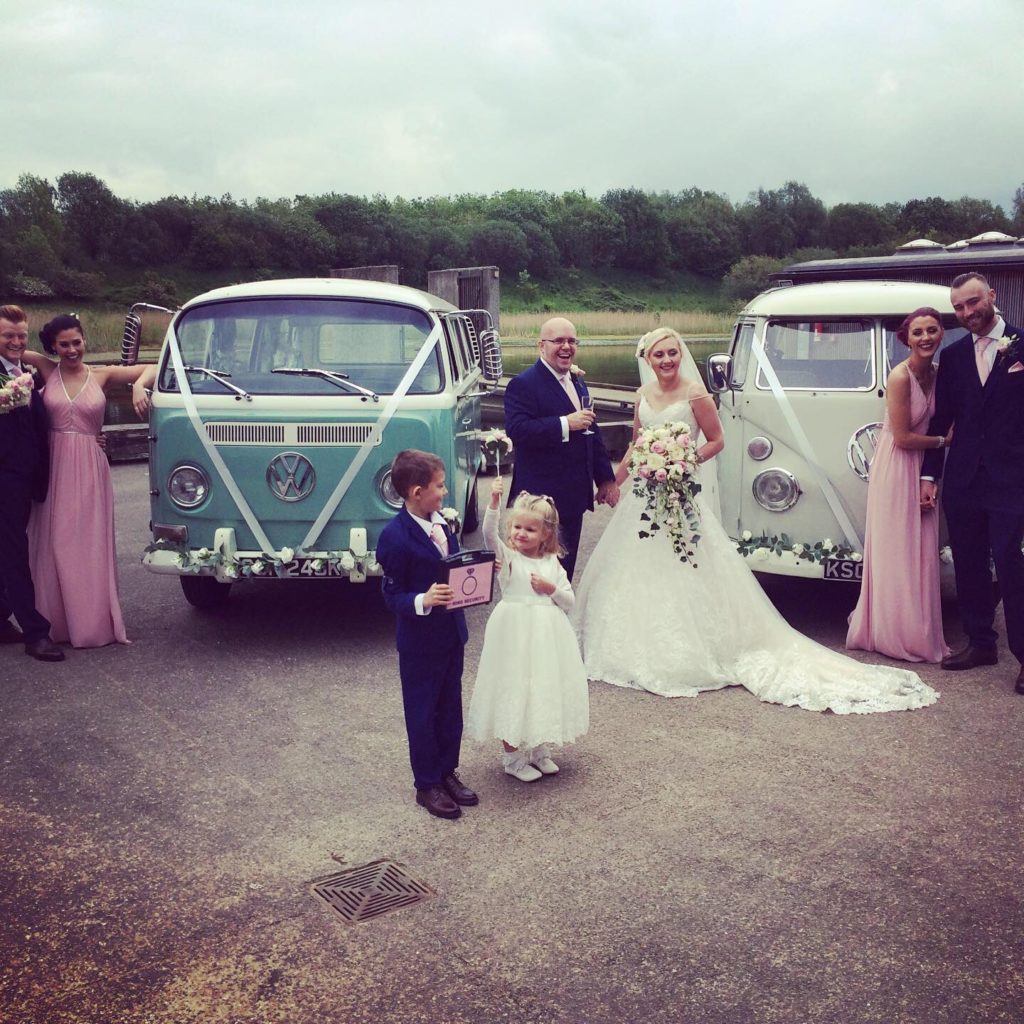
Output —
<point x="804" y="444"/>
<point x="390" y="407"/>
<point x="223" y="472"/>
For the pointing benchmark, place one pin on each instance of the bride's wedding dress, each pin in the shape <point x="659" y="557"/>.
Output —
<point x="647" y="621"/>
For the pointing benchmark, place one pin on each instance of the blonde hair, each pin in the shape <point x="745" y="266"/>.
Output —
<point x="543" y="507"/>
<point x="658" y="334"/>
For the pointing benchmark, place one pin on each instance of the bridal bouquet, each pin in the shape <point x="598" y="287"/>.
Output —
<point x="663" y="465"/>
<point x="15" y="392"/>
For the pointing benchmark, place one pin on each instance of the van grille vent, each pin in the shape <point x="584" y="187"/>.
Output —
<point x="309" y="434"/>
<point x="333" y="433"/>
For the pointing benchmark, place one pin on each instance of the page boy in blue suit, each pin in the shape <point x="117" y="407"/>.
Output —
<point x="430" y="639"/>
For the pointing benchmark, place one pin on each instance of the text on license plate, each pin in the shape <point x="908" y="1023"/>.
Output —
<point x="844" y="569"/>
<point x="306" y="567"/>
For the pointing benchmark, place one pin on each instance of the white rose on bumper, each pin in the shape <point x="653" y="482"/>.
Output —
<point x="856" y="556"/>
<point x="797" y="549"/>
<point x="746" y="535"/>
<point x="287" y="554"/>
<point x="761" y="554"/>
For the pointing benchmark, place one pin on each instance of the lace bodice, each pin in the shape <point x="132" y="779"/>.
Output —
<point x="676" y="412"/>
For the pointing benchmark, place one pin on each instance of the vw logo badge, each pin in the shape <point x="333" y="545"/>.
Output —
<point x="861" y="449"/>
<point x="291" y="477"/>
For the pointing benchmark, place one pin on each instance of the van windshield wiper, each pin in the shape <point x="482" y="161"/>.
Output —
<point x="339" y="379"/>
<point x="218" y="376"/>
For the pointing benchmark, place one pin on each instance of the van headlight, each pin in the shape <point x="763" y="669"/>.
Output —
<point x="387" y="491"/>
<point x="775" y="490"/>
<point x="188" y="486"/>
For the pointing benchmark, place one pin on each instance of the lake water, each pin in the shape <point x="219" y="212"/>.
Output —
<point x="606" y="361"/>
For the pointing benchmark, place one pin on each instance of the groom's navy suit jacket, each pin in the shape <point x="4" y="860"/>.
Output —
<point x="988" y="426"/>
<point x="545" y="464"/>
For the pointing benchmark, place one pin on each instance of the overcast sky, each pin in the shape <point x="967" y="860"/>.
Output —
<point x="861" y="100"/>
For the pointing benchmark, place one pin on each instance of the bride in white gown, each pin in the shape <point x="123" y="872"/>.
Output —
<point x="713" y="625"/>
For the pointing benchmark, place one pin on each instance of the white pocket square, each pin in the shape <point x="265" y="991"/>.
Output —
<point x="1016" y="368"/>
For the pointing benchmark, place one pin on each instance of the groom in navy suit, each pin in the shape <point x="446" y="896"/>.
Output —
<point x="24" y="476"/>
<point x="558" y="446"/>
<point x="979" y="391"/>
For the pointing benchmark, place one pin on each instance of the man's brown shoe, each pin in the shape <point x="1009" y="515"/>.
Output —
<point x="10" y="634"/>
<point x="458" y="791"/>
<point x="1020" y="680"/>
<point x="44" y="649"/>
<point x="437" y="802"/>
<point x="970" y="657"/>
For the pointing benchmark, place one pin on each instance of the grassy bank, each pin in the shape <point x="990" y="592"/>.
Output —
<point x="608" y="324"/>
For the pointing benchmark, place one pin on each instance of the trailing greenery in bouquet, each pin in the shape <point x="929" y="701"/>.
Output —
<point x="15" y="392"/>
<point x="493" y="443"/>
<point x="662" y="466"/>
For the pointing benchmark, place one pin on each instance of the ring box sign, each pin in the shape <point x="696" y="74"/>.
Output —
<point x="471" y="575"/>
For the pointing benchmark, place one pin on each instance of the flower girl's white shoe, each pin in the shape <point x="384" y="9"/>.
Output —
<point x="516" y="764"/>
<point x="540" y="757"/>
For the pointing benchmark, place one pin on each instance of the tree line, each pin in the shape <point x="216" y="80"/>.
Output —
<point x="75" y="239"/>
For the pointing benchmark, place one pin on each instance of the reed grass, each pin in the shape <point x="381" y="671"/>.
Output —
<point x="608" y="324"/>
<point x="104" y="327"/>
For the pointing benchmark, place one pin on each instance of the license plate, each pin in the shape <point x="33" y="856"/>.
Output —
<point x="844" y="569"/>
<point x="305" y="568"/>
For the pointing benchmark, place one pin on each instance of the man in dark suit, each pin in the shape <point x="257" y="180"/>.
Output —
<point x="429" y="637"/>
<point x="558" y="446"/>
<point x="979" y="390"/>
<point x="24" y="475"/>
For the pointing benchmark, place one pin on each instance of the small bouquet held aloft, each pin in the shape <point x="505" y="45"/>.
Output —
<point x="15" y="392"/>
<point x="662" y="466"/>
<point x="493" y="442"/>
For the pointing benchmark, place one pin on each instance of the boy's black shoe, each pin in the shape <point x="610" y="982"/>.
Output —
<point x="458" y="791"/>
<point x="437" y="802"/>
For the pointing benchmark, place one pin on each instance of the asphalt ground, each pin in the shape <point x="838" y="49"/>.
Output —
<point x="166" y="806"/>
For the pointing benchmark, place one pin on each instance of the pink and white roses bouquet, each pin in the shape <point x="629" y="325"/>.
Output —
<point x="15" y="392"/>
<point x="662" y="466"/>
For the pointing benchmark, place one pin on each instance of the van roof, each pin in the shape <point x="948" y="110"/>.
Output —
<point x="326" y="288"/>
<point x="849" y="298"/>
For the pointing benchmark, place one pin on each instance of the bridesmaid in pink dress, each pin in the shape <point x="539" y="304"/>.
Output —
<point x="71" y="534"/>
<point x="899" y="612"/>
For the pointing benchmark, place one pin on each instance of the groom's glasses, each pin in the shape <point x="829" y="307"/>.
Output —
<point x="559" y="342"/>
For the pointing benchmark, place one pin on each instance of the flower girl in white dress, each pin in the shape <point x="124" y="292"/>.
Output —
<point x="531" y="687"/>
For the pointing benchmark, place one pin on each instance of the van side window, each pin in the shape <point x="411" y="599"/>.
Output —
<point x="741" y="353"/>
<point x="833" y="355"/>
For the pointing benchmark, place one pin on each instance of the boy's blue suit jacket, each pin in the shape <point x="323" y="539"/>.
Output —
<point x="411" y="563"/>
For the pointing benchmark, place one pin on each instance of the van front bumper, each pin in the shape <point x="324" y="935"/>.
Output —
<point x="225" y="562"/>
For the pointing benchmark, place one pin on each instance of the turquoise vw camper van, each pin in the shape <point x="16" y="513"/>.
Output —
<point x="277" y="410"/>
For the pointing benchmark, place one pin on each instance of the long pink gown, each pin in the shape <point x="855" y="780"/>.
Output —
<point x="899" y="612"/>
<point x="71" y="534"/>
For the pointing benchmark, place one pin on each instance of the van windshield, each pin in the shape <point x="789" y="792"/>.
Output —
<point x="373" y="343"/>
<point x="820" y="355"/>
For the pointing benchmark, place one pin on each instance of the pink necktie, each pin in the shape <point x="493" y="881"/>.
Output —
<point x="570" y="391"/>
<point x="439" y="539"/>
<point x="980" y="347"/>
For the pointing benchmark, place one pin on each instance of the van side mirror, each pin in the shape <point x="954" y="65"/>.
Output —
<point x="719" y="372"/>
<point x="490" y="355"/>
<point x="131" y="337"/>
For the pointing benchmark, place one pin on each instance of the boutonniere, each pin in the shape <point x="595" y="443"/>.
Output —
<point x="576" y="371"/>
<point x="451" y="519"/>
<point x="1006" y="346"/>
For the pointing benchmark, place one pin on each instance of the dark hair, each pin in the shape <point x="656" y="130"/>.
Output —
<point x="903" y="332"/>
<point x="50" y="330"/>
<point x="13" y="313"/>
<point x="413" y="468"/>
<point x="972" y="275"/>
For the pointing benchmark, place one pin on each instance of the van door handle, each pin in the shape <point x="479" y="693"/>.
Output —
<point x="467" y="421"/>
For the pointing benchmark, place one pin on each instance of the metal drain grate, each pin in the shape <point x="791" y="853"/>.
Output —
<point x="361" y="894"/>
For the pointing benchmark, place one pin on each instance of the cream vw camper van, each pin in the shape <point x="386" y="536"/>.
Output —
<point x="802" y="396"/>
